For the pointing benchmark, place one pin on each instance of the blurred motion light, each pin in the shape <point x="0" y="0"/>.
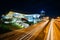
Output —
<point x="58" y="17"/>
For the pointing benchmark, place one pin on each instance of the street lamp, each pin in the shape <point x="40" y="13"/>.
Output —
<point x="42" y="13"/>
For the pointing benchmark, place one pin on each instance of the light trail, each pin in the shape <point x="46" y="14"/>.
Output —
<point x="37" y="29"/>
<point x="50" y="32"/>
<point x="52" y="38"/>
<point x="41" y="27"/>
<point x="25" y="34"/>
<point x="14" y="32"/>
<point x="33" y="32"/>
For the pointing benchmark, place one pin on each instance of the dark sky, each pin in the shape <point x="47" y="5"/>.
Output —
<point x="52" y="7"/>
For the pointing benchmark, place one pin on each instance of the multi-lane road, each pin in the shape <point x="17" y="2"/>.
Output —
<point x="44" y="30"/>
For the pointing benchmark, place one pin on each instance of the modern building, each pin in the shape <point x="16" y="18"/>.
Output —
<point x="17" y="18"/>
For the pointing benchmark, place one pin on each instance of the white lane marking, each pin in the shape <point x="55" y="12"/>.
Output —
<point x="50" y="30"/>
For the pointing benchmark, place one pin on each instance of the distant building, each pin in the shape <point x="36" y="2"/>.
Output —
<point x="19" y="17"/>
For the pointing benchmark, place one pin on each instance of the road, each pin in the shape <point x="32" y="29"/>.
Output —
<point x="45" y="30"/>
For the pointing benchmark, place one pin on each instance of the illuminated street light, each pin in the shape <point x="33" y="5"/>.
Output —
<point x="42" y="11"/>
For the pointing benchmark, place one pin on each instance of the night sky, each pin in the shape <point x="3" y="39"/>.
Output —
<point x="52" y="7"/>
